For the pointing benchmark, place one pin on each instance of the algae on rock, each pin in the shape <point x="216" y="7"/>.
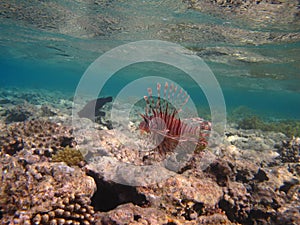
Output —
<point x="70" y="156"/>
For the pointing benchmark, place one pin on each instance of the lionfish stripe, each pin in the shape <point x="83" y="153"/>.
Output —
<point x="173" y="117"/>
<point x="172" y="121"/>
<point x="169" y="121"/>
<point x="189" y="129"/>
<point x="166" y="112"/>
<point x="172" y="125"/>
<point x="183" y="128"/>
<point x="178" y="126"/>
<point x="197" y="130"/>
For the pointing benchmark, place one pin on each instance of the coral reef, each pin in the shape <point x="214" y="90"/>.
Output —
<point x="40" y="136"/>
<point x="19" y="113"/>
<point x="133" y="215"/>
<point x="288" y="127"/>
<point x="60" y="18"/>
<point x="74" y="209"/>
<point x="260" y="12"/>
<point x="252" y="178"/>
<point x="290" y="150"/>
<point x="185" y="197"/>
<point x="253" y="139"/>
<point x="43" y="192"/>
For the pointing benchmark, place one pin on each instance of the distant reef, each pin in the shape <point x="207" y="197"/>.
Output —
<point x="259" y="12"/>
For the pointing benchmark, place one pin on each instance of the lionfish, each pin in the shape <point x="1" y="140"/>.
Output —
<point x="161" y="120"/>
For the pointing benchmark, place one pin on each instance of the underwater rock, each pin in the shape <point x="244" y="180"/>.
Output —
<point x="60" y="18"/>
<point x="253" y="139"/>
<point x="252" y="192"/>
<point x="129" y="214"/>
<point x="4" y="101"/>
<point x="44" y="192"/>
<point x="238" y="186"/>
<point x="47" y="110"/>
<point x="230" y="54"/>
<point x="262" y="12"/>
<point x="185" y="197"/>
<point x="19" y="113"/>
<point x="212" y="33"/>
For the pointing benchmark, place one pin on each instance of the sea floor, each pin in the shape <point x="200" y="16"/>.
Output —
<point x="55" y="173"/>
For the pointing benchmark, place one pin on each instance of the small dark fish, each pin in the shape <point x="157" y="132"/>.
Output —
<point x="92" y="109"/>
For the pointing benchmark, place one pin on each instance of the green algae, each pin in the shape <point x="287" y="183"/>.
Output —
<point x="288" y="127"/>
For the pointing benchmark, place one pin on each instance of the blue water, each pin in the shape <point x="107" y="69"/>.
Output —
<point x="264" y="77"/>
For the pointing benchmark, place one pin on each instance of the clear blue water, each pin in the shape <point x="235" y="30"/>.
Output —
<point x="262" y="75"/>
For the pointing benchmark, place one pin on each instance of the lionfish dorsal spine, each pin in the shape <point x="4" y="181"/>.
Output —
<point x="151" y="100"/>
<point x="158" y="104"/>
<point x="147" y="105"/>
<point x="165" y="90"/>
